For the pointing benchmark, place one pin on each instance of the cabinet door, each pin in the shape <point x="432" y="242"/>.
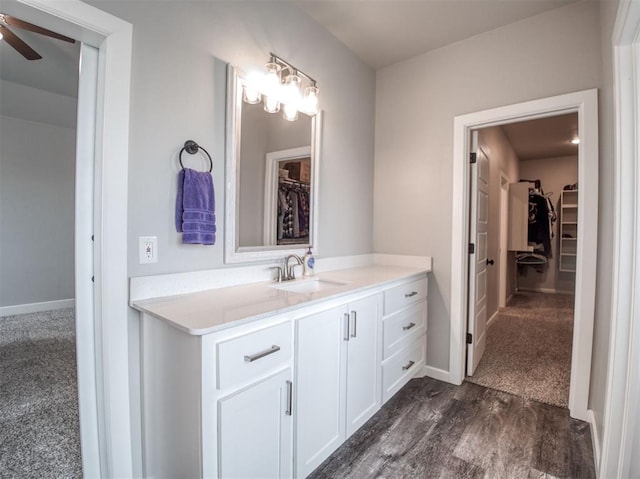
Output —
<point x="363" y="361"/>
<point x="320" y="376"/>
<point x="255" y="428"/>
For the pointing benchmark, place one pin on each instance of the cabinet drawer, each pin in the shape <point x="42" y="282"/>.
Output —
<point x="404" y="295"/>
<point x="402" y="366"/>
<point x="403" y="326"/>
<point x="250" y="356"/>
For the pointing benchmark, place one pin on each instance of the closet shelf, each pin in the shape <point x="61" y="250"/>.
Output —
<point x="568" y="225"/>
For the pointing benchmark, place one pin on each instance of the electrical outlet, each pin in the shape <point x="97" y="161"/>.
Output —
<point x="148" y="249"/>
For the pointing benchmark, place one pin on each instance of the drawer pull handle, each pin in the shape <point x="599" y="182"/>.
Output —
<point x="354" y="315"/>
<point x="262" y="354"/>
<point x="409" y="295"/>
<point x="346" y="327"/>
<point x="409" y="326"/>
<point x="289" y="398"/>
<point x="408" y="366"/>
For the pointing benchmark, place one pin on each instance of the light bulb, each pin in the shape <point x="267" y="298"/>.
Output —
<point x="271" y="104"/>
<point x="575" y="141"/>
<point x="291" y="90"/>
<point x="290" y="112"/>
<point x="310" y="100"/>
<point x="251" y="92"/>
<point x="251" y="95"/>
<point x="272" y="79"/>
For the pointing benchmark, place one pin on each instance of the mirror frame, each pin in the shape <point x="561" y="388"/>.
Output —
<point x="233" y="253"/>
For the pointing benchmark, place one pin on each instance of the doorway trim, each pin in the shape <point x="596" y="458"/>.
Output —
<point x="585" y="104"/>
<point x="621" y="416"/>
<point x="504" y="240"/>
<point x="106" y="438"/>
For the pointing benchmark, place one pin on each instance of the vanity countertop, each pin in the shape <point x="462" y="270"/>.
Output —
<point x="212" y="310"/>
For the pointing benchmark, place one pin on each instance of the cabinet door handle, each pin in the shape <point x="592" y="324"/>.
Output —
<point x="289" y="398"/>
<point x="409" y="295"/>
<point x="408" y="366"/>
<point x="254" y="357"/>
<point x="346" y="326"/>
<point x="354" y="315"/>
<point x="408" y="326"/>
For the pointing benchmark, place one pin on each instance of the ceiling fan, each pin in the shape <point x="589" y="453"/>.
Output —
<point x="17" y="43"/>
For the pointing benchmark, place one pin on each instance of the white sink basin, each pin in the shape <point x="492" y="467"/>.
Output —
<point x="308" y="285"/>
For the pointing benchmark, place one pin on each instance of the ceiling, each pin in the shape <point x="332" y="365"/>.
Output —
<point x="368" y="27"/>
<point x="384" y="32"/>
<point x="56" y="72"/>
<point x="544" y="138"/>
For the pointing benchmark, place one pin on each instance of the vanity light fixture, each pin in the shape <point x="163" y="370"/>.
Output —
<point x="575" y="141"/>
<point x="283" y="84"/>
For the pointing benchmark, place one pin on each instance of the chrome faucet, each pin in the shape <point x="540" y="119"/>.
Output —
<point x="289" y="270"/>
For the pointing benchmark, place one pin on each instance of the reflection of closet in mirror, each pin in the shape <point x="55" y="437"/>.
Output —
<point x="287" y="197"/>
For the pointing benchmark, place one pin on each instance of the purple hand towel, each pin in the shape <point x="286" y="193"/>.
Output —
<point x="195" y="207"/>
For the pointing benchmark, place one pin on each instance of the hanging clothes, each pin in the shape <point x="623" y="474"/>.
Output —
<point x="542" y="216"/>
<point x="293" y="212"/>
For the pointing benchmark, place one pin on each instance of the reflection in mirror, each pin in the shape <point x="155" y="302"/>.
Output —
<point x="271" y="195"/>
<point x="287" y="190"/>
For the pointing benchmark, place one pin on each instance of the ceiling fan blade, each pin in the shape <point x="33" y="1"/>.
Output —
<point x="22" y="48"/>
<point x="16" y="22"/>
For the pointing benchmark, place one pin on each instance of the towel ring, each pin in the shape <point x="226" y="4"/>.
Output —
<point x="192" y="148"/>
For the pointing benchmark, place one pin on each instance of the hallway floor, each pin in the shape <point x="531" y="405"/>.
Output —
<point x="39" y="427"/>
<point x="529" y="348"/>
<point x="432" y="429"/>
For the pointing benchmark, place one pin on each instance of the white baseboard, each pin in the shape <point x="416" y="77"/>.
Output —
<point x="544" y="290"/>
<point x="439" y="374"/>
<point x="492" y="318"/>
<point x="595" y="439"/>
<point x="36" y="307"/>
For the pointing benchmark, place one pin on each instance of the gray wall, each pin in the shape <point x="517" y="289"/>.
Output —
<point x="416" y="101"/>
<point x="554" y="173"/>
<point x="37" y="163"/>
<point x="174" y="45"/>
<point x="501" y="156"/>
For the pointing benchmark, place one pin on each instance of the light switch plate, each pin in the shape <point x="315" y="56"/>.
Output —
<point x="148" y="249"/>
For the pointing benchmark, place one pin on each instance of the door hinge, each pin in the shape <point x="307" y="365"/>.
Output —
<point x="469" y="338"/>
<point x="473" y="157"/>
<point x="472" y="248"/>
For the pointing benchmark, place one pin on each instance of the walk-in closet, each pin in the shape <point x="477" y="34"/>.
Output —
<point x="532" y="248"/>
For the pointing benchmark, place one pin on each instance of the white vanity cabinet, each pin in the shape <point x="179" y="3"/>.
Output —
<point x="255" y="426"/>
<point x="255" y="430"/>
<point x="404" y="335"/>
<point x="257" y="382"/>
<point x="218" y="405"/>
<point x="337" y="377"/>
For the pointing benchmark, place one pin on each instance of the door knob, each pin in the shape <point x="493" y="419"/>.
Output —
<point x="489" y="261"/>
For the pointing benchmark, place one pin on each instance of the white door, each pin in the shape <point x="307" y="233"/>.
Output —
<point x="478" y="229"/>
<point x="320" y="392"/>
<point x="363" y="361"/>
<point x="256" y="430"/>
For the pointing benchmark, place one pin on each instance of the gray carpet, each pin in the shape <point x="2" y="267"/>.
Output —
<point x="529" y="349"/>
<point x="39" y="427"/>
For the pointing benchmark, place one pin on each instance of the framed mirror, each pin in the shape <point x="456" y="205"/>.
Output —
<point x="271" y="206"/>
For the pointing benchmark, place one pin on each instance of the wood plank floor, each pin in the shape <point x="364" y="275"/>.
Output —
<point x="432" y="429"/>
